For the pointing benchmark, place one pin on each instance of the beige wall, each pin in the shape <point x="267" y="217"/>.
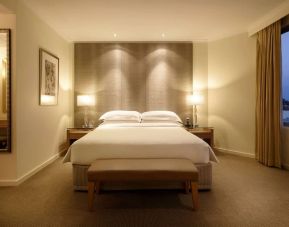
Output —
<point x="8" y="164"/>
<point x="10" y="5"/>
<point x="40" y="130"/>
<point x="200" y="79"/>
<point x="231" y="83"/>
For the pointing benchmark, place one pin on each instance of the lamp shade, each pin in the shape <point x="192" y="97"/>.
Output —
<point x="85" y="100"/>
<point x="195" y="99"/>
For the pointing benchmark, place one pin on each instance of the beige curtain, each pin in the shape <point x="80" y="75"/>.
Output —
<point x="268" y="95"/>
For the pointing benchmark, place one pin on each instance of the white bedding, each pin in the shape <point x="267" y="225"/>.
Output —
<point x="139" y="140"/>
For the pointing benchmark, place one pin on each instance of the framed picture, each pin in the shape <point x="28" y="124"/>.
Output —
<point x="48" y="78"/>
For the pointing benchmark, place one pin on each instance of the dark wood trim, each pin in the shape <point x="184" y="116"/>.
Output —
<point x="9" y="91"/>
<point x="285" y="24"/>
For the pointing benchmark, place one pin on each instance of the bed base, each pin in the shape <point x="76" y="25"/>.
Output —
<point x="80" y="180"/>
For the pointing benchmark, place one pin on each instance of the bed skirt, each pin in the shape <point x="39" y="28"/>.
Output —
<point x="80" y="180"/>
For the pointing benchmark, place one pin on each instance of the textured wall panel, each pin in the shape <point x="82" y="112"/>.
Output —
<point x="133" y="76"/>
<point x="134" y="79"/>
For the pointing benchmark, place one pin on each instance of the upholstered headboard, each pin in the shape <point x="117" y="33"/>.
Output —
<point x="133" y="76"/>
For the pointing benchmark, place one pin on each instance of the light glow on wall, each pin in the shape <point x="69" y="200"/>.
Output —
<point x="65" y="83"/>
<point x="195" y="99"/>
<point x="198" y="85"/>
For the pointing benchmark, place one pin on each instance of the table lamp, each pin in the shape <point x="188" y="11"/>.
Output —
<point x="85" y="101"/>
<point x="195" y="100"/>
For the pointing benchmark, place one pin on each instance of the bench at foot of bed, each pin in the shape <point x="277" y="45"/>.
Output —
<point x="142" y="170"/>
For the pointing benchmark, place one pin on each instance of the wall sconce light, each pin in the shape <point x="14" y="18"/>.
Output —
<point x="85" y="101"/>
<point x="194" y="100"/>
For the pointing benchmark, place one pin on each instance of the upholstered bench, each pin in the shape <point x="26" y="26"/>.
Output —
<point x="142" y="170"/>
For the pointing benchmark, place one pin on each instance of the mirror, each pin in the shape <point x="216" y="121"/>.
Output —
<point x="5" y="94"/>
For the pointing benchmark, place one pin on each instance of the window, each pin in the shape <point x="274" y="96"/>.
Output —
<point x="285" y="76"/>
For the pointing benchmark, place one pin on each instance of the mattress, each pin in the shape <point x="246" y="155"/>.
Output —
<point x="139" y="141"/>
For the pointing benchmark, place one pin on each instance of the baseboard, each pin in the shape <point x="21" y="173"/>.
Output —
<point x="6" y="183"/>
<point x="63" y="147"/>
<point x="238" y="153"/>
<point x="30" y="173"/>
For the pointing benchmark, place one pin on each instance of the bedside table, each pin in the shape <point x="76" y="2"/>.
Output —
<point x="205" y="133"/>
<point x="74" y="134"/>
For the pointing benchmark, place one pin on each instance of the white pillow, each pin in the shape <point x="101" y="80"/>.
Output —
<point x="160" y="116"/>
<point x="120" y="124"/>
<point x="162" y="121"/>
<point x="121" y="115"/>
<point x="148" y="123"/>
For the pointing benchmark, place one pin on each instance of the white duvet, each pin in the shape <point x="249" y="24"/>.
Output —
<point x="145" y="140"/>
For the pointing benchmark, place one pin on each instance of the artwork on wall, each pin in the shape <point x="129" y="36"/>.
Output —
<point x="49" y="78"/>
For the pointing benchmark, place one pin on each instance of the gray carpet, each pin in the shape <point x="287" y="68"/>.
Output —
<point x="244" y="193"/>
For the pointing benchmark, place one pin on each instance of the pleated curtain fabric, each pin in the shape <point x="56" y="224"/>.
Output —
<point x="268" y="124"/>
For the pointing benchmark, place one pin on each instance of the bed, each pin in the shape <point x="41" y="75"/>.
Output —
<point x="146" y="139"/>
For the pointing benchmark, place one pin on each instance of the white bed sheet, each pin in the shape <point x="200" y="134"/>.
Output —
<point x="139" y="140"/>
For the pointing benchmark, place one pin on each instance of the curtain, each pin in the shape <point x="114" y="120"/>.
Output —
<point x="268" y="96"/>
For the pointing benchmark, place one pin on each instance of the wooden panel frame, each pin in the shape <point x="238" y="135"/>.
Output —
<point x="8" y="123"/>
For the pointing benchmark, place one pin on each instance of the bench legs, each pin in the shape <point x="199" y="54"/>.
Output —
<point x="195" y="195"/>
<point x="187" y="187"/>
<point x="93" y="187"/>
<point x="90" y="195"/>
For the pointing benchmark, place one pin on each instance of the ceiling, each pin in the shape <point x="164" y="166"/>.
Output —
<point x="150" y="20"/>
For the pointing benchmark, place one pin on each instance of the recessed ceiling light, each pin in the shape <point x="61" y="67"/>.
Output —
<point x="163" y="35"/>
<point x="114" y="35"/>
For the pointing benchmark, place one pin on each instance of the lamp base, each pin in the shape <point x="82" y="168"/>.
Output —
<point x="88" y="124"/>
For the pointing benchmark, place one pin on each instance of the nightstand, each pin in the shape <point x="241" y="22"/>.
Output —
<point x="74" y="134"/>
<point x="205" y="133"/>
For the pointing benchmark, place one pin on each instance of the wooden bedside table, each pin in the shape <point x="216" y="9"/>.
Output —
<point x="74" y="134"/>
<point x="205" y="133"/>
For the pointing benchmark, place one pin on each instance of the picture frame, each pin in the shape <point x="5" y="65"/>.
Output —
<point x="48" y="78"/>
<point x="6" y="91"/>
